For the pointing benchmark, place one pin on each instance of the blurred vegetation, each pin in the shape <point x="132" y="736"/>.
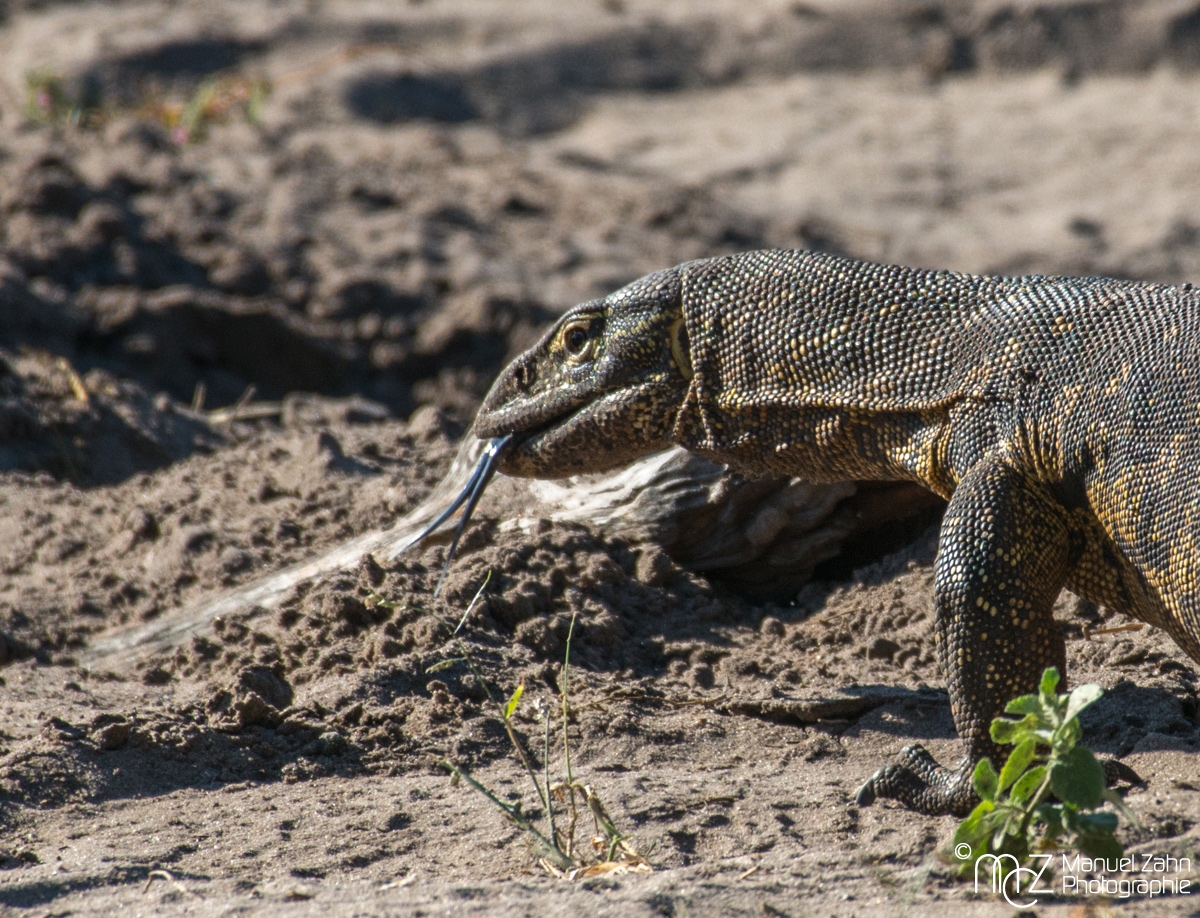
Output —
<point x="50" y="99"/>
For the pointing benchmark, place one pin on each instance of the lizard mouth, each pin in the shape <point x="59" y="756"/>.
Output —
<point x="492" y="460"/>
<point x="602" y="433"/>
<point x="529" y="416"/>
<point x="528" y="440"/>
<point x="521" y="440"/>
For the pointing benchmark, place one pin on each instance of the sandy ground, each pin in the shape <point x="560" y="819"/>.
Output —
<point x="425" y="187"/>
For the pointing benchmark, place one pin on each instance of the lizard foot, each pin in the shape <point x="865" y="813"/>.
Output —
<point x="1117" y="772"/>
<point x="920" y="783"/>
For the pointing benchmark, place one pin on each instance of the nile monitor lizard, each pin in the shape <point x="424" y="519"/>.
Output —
<point x="1059" y="416"/>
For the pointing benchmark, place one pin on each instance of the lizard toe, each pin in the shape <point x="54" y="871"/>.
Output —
<point x="916" y="780"/>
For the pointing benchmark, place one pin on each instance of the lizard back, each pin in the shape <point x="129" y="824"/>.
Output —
<point x="815" y="365"/>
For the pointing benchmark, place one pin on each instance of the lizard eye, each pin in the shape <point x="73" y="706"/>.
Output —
<point x="577" y="341"/>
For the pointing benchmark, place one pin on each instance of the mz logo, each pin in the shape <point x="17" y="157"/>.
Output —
<point x="1008" y="876"/>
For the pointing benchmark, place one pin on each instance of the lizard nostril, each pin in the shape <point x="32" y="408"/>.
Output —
<point x="522" y="375"/>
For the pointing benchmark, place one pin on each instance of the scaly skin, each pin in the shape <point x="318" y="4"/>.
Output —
<point x="1059" y="416"/>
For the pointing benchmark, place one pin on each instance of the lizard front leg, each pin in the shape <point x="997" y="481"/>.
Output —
<point x="1002" y="560"/>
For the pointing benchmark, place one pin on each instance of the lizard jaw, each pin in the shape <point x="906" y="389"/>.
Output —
<point x="594" y="437"/>
<point x="525" y="419"/>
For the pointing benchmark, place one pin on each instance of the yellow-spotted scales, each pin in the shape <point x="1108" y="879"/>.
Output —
<point x="1059" y="416"/>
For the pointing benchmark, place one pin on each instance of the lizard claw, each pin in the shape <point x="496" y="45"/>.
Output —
<point x="920" y="783"/>
<point x="866" y="793"/>
<point x="1117" y="772"/>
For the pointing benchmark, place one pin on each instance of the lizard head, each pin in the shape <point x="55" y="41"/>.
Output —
<point x="599" y="390"/>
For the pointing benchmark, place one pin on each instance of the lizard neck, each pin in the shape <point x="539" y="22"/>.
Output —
<point x="814" y="365"/>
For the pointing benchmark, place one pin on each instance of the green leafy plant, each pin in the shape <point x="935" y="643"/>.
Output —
<point x="1018" y="813"/>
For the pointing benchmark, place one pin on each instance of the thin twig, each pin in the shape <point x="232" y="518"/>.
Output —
<point x="566" y="693"/>
<point x="462" y="621"/>
<point x="546" y="778"/>
<point x="245" y="412"/>
<point x="240" y="409"/>
<point x="1117" y="629"/>
<point x="566" y="678"/>
<point x="198" y="394"/>
<point x="78" y="389"/>
<point x="166" y="875"/>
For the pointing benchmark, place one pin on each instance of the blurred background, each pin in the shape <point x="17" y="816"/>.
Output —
<point x="207" y="203"/>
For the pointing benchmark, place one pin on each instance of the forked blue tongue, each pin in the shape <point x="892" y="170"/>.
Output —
<point x="470" y="494"/>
